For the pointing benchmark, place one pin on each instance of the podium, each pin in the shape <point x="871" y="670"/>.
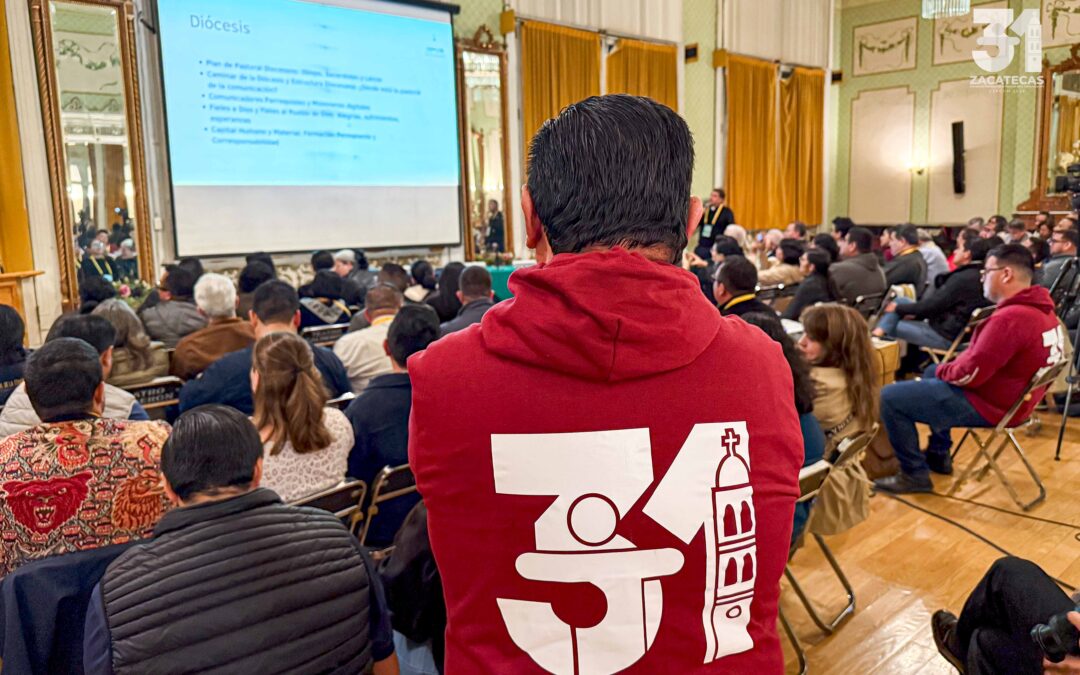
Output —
<point x="11" y="290"/>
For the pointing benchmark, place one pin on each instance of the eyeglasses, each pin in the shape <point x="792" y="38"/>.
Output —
<point x="988" y="270"/>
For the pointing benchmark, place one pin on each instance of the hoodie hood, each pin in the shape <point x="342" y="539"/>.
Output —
<point x="1033" y="296"/>
<point x="604" y="316"/>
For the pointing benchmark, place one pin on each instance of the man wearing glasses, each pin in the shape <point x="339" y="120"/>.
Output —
<point x="1063" y="248"/>
<point x="978" y="387"/>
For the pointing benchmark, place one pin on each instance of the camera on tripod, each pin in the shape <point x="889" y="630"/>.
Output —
<point x="1057" y="638"/>
<point x="1070" y="183"/>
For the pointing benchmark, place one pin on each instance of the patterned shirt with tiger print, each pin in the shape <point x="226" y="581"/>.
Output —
<point x="77" y="485"/>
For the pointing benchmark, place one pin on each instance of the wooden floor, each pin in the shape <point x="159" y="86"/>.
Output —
<point x="904" y="564"/>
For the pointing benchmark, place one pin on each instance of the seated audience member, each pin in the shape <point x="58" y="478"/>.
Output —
<point x="320" y="261"/>
<point x="601" y="330"/>
<point x="135" y="358"/>
<point x="812" y="435"/>
<point x="306" y="443"/>
<point x="858" y="273"/>
<point x="1063" y="247"/>
<point x="705" y="270"/>
<point x="227" y="381"/>
<point x="992" y="635"/>
<point x="1065" y="223"/>
<point x="362" y="351"/>
<point x="19" y="413"/>
<point x="1044" y="224"/>
<point x="12" y="353"/>
<point x="380" y="415"/>
<point x="742" y="238"/>
<point x="788" y="271"/>
<point x="352" y="291"/>
<point x="126" y="263"/>
<point x="814" y="287"/>
<point x="325" y="303"/>
<point x="841" y="226"/>
<point x="362" y="272"/>
<point x="215" y="296"/>
<point x="264" y="258"/>
<point x="96" y="262"/>
<point x="233" y="580"/>
<point x="766" y="247"/>
<point x="423" y="281"/>
<point x="907" y="265"/>
<point x="92" y="292"/>
<point x="979" y="386"/>
<point x="994" y="227"/>
<point x="175" y="315"/>
<point x="1039" y="249"/>
<point x="251" y="277"/>
<point x="445" y="298"/>
<point x="76" y="480"/>
<point x="936" y="320"/>
<point x="1016" y="232"/>
<point x="796" y="230"/>
<point x="735" y="288"/>
<point x="936" y="263"/>
<point x="476" y="299"/>
<point x="396" y="276"/>
<point x="836" y="343"/>
<point x="827" y="243"/>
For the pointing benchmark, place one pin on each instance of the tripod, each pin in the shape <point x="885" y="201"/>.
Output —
<point x="1069" y="291"/>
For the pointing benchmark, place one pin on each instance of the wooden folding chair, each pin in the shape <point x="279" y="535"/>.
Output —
<point x="391" y="483"/>
<point x="345" y="501"/>
<point x="324" y="336"/>
<point x="157" y="395"/>
<point x="959" y="343"/>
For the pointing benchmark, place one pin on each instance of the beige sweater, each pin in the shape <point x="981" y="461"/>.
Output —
<point x="832" y="399"/>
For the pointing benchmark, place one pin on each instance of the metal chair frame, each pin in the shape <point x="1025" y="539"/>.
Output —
<point x="383" y="491"/>
<point x="1003" y="436"/>
<point x="355" y="490"/>
<point x="940" y="356"/>
<point x="875" y="316"/>
<point x="324" y="336"/>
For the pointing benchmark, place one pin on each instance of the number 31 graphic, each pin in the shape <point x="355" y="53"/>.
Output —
<point x="596" y="477"/>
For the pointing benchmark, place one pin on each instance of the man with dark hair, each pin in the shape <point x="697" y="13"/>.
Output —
<point x="994" y="226"/>
<point x="841" y="226"/>
<point x="320" y="260"/>
<point x="204" y="595"/>
<point x="264" y="258"/>
<point x="735" y="288"/>
<point x="559" y="456"/>
<point x="396" y="276"/>
<point x="362" y="351"/>
<point x="796" y="230"/>
<point x="476" y="299"/>
<point x="979" y="386"/>
<point x="76" y="480"/>
<point x="1063" y="248"/>
<point x="380" y="414"/>
<point x="787" y="272"/>
<point x="253" y="275"/>
<point x="175" y="314"/>
<point x="1016" y="232"/>
<point x="18" y="414"/>
<point x="907" y="265"/>
<point x="276" y="308"/>
<point x="858" y="273"/>
<point x="714" y="221"/>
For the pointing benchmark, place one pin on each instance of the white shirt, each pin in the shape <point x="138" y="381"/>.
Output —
<point x="294" y="475"/>
<point x="363" y="354"/>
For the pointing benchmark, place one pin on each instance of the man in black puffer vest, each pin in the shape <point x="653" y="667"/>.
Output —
<point x="234" y="580"/>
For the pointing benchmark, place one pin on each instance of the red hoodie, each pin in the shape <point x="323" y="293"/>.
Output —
<point x="1022" y="336"/>
<point x="610" y="470"/>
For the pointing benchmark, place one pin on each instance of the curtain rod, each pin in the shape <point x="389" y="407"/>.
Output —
<point x="722" y="53"/>
<point x="519" y="18"/>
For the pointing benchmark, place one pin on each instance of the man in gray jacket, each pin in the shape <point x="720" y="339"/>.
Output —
<point x="176" y="315"/>
<point x="476" y="299"/>
<point x="859" y="273"/>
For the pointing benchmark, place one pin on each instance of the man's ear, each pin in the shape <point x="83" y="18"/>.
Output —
<point x="256" y="475"/>
<point x="296" y="320"/>
<point x="693" y="216"/>
<point x="173" y="498"/>
<point x="253" y="318"/>
<point x="460" y="297"/>
<point x="386" y="348"/>
<point x="99" y="398"/>
<point x="107" y="359"/>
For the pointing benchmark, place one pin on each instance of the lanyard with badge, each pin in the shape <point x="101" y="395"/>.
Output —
<point x="706" y="231"/>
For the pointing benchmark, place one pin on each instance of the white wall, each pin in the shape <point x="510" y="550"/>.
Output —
<point x="882" y="133"/>
<point x="650" y="19"/>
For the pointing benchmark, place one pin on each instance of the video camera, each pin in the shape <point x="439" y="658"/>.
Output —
<point x="1070" y="183"/>
<point x="1057" y="638"/>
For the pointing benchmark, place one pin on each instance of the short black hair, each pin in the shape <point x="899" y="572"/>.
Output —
<point x="264" y="258"/>
<point x="193" y="265"/>
<point x="908" y="233"/>
<point x="800" y="227"/>
<point x="412" y="330"/>
<point x="93" y="329"/>
<point x="968" y="234"/>
<point x="727" y="246"/>
<point x="361" y="259"/>
<point x="862" y="238"/>
<point x="322" y="260"/>
<point x="1071" y="235"/>
<point x="423" y="273"/>
<point x="275" y="302"/>
<point x="720" y="192"/>
<point x="820" y="260"/>
<point x="12" y="330"/>
<point x="843" y="225"/>
<point x="253" y="275"/>
<point x="612" y="171"/>
<point x="1017" y="224"/>
<point x="327" y="284"/>
<point x="93" y="290"/>
<point x="791" y="250"/>
<point x="475" y="282"/>
<point x="211" y="447"/>
<point x="738" y="275"/>
<point x="826" y="243"/>
<point x="1014" y="256"/>
<point x="977" y="248"/>
<point x="998" y="223"/>
<point x="995" y="241"/>
<point x="62" y="376"/>
<point x="180" y="281"/>
<point x="395" y="275"/>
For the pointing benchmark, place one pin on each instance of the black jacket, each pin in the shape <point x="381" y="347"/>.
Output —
<point x="956" y="295"/>
<point x="1051" y="270"/>
<point x="246" y="584"/>
<point x="812" y="290"/>
<point x="745" y="307"/>
<point x="908" y="268"/>
<point x="495" y="237"/>
<point x="709" y="231"/>
<point x="468" y="315"/>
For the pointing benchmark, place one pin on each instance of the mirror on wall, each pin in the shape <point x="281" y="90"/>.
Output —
<point x="1064" y="135"/>
<point x="482" y="89"/>
<point x="86" y="70"/>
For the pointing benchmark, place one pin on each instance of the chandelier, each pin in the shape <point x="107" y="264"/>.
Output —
<point x="941" y="9"/>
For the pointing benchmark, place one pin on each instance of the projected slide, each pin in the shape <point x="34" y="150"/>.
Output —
<point x="300" y="125"/>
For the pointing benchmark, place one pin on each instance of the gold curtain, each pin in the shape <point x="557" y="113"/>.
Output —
<point x="644" y="69"/>
<point x="16" y="254"/>
<point x="1068" y="127"/>
<point x="752" y="141"/>
<point x="559" y="66"/>
<point x="802" y="146"/>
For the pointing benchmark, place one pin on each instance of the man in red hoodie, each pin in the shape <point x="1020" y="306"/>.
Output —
<point x="978" y="387"/>
<point x="624" y="503"/>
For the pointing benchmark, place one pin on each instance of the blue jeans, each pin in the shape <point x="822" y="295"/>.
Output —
<point x="938" y="404"/>
<point x="918" y="333"/>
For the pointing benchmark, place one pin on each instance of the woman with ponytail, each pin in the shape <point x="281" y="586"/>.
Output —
<point x="305" y="444"/>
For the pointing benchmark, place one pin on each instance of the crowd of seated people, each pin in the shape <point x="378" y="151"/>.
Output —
<point x="225" y="332"/>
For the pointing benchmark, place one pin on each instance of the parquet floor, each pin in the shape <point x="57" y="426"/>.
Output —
<point x="904" y="564"/>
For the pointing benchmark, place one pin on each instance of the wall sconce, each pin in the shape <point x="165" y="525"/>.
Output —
<point x="916" y="166"/>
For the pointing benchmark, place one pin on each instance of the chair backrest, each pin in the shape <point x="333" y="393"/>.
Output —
<point x="391" y="483"/>
<point x="977" y="317"/>
<point x="869" y="305"/>
<point x="160" y="392"/>
<point x="1044" y="377"/>
<point x="344" y="500"/>
<point x="324" y="336"/>
<point x="811" y="478"/>
<point x="343" y="401"/>
<point x="873" y="319"/>
<point x="852" y="447"/>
